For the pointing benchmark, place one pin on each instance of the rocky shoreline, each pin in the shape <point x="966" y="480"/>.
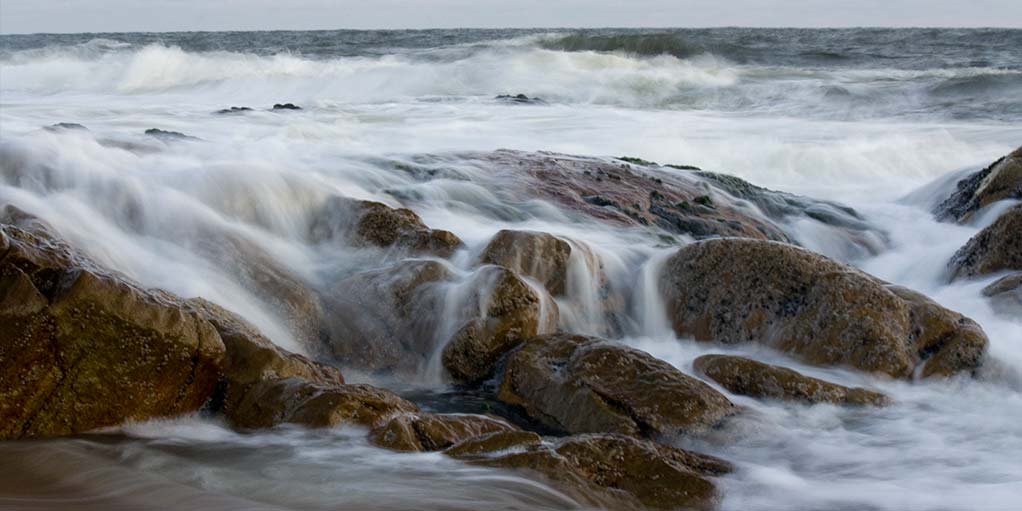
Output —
<point x="84" y="347"/>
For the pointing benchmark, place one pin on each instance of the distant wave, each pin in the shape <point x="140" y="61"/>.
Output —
<point x="635" y="44"/>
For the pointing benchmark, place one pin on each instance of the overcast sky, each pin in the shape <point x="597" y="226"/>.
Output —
<point x="26" y="16"/>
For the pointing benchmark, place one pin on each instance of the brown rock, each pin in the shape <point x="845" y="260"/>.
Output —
<point x="617" y="472"/>
<point x="1000" y="181"/>
<point x="269" y="403"/>
<point x="434" y="432"/>
<point x="1006" y="294"/>
<point x="370" y="223"/>
<point x="514" y="312"/>
<point x="537" y="255"/>
<point x="82" y="349"/>
<point x="495" y="442"/>
<point x="751" y="378"/>
<point x="736" y="290"/>
<point x="995" y="249"/>
<point x="583" y="384"/>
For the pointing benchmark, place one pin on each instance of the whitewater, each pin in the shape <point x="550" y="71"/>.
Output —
<point x="884" y="121"/>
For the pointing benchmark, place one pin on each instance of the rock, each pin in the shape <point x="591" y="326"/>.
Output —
<point x="168" y="136"/>
<point x="995" y="249"/>
<point x="82" y="349"/>
<point x="235" y="110"/>
<point x="1002" y="180"/>
<point x="670" y="200"/>
<point x="514" y="313"/>
<point x="386" y="319"/>
<point x="1005" y="294"/>
<point x="368" y="223"/>
<point x="286" y="106"/>
<point x="520" y="98"/>
<point x="252" y="358"/>
<point x="739" y="290"/>
<point x="537" y="255"/>
<point x="434" y="432"/>
<point x="269" y="403"/>
<point x="751" y="378"/>
<point x="72" y="126"/>
<point x="609" y="471"/>
<point x="580" y="384"/>
<point x="495" y="442"/>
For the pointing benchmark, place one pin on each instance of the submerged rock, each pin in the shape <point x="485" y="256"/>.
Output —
<point x="751" y="378"/>
<point x="828" y="313"/>
<point x="514" y="313"/>
<point x="286" y="106"/>
<point x="605" y="471"/>
<point x="370" y="223"/>
<point x="168" y="136"/>
<point x="1002" y="180"/>
<point x="537" y="255"/>
<point x="579" y="384"/>
<point x="81" y="348"/>
<point x="520" y="98"/>
<point x="234" y="110"/>
<point x="72" y="126"/>
<point x="995" y="249"/>
<point x="434" y="432"/>
<point x="1005" y="294"/>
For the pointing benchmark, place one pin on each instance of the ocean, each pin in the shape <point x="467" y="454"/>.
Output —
<point x="882" y="120"/>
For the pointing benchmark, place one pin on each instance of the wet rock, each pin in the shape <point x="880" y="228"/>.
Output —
<point x="607" y="471"/>
<point x="72" y="126"/>
<point x="286" y="106"/>
<point x="269" y="403"/>
<point x="82" y="349"/>
<point x="671" y="200"/>
<point x="235" y="110"/>
<point x="1005" y="294"/>
<point x="434" y="432"/>
<point x="386" y="319"/>
<point x="1002" y="180"/>
<point x="995" y="249"/>
<point x="514" y="313"/>
<point x="520" y="98"/>
<point x="370" y="223"/>
<point x="168" y="136"/>
<point x="751" y="378"/>
<point x="495" y="442"/>
<point x="738" y="290"/>
<point x="579" y="384"/>
<point x="537" y="255"/>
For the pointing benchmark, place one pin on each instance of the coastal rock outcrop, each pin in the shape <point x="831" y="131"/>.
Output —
<point x="1002" y="180"/>
<point x="434" y="432"/>
<point x="579" y="384"/>
<point x="605" y="471"/>
<point x="995" y="249"/>
<point x="748" y="377"/>
<point x="1005" y="294"/>
<point x="740" y="290"/>
<point x="368" y="223"/>
<point x="538" y="255"/>
<point x="82" y="348"/>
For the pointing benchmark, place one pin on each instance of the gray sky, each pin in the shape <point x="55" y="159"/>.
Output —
<point x="26" y="16"/>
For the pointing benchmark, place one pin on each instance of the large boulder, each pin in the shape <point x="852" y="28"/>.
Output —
<point x="995" y="249"/>
<point x="368" y="223"/>
<point x="1002" y="180"/>
<point x="82" y="348"/>
<point x="268" y="403"/>
<point x="514" y="312"/>
<point x="537" y="255"/>
<point x="751" y="378"/>
<point x="579" y="384"/>
<point x="605" y="471"/>
<point x="739" y="290"/>
<point x="434" y="432"/>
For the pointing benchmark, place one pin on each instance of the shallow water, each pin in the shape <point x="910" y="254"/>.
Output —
<point x="863" y="117"/>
